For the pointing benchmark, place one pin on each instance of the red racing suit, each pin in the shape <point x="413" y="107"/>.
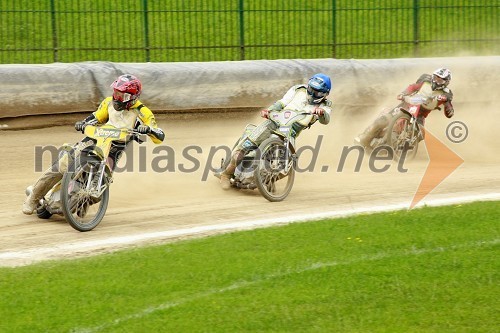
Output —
<point x="424" y="86"/>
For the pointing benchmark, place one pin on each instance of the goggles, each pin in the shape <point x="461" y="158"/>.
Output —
<point x="439" y="80"/>
<point x="315" y="93"/>
<point x="121" y="96"/>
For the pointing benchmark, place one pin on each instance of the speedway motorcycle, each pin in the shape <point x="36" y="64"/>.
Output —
<point x="82" y="195"/>
<point x="270" y="167"/>
<point x="404" y="131"/>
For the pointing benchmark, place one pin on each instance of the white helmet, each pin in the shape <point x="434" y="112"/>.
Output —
<point x="441" y="78"/>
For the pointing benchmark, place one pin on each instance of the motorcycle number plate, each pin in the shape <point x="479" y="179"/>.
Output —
<point x="107" y="133"/>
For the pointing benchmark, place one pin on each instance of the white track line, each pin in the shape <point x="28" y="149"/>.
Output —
<point x="28" y="256"/>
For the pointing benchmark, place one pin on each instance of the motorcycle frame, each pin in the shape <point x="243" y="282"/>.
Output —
<point x="101" y="153"/>
<point x="413" y="121"/>
<point x="289" y="148"/>
<point x="284" y="132"/>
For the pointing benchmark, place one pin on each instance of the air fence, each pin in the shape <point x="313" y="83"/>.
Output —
<point x="174" y="87"/>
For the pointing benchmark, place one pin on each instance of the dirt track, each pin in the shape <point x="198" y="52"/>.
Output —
<point x="150" y="201"/>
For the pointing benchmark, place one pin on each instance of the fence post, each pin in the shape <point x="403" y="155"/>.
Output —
<point x="334" y="32"/>
<point x="55" y="46"/>
<point x="242" y="31"/>
<point x="146" y="30"/>
<point x="416" y="34"/>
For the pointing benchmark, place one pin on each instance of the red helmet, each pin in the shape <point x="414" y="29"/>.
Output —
<point x="126" y="90"/>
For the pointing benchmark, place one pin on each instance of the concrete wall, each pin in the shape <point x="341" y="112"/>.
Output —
<point x="77" y="87"/>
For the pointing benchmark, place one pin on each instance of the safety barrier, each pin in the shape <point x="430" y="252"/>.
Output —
<point x="78" y="87"/>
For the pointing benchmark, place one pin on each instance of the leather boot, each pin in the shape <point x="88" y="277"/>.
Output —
<point x="41" y="187"/>
<point x="225" y="176"/>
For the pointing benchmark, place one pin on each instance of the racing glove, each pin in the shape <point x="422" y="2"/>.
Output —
<point x="80" y="125"/>
<point x="318" y="111"/>
<point x="449" y="112"/>
<point x="264" y="113"/>
<point x="144" y="129"/>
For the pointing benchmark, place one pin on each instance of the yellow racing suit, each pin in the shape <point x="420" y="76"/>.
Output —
<point x="130" y="118"/>
<point x="137" y="115"/>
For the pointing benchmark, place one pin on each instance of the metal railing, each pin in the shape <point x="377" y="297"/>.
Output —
<point x="46" y="31"/>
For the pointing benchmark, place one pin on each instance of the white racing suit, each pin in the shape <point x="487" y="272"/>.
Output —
<point x="295" y="99"/>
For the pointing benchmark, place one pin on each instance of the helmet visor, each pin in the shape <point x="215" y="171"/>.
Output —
<point x="439" y="80"/>
<point x="315" y="93"/>
<point x="121" y="96"/>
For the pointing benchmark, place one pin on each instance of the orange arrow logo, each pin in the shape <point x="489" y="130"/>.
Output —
<point x="442" y="162"/>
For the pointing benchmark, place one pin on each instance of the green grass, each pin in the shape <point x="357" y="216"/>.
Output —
<point x="208" y="30"/>
<point x="425" y="270"/>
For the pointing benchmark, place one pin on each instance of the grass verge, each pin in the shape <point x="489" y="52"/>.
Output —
<point x="425" y="270"/>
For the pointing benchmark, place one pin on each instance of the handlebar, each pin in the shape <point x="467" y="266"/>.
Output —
<point x="297" y="114"/>
<point x="129" y="131"/>
<point x="133" y="134"/>
<point x="418" y="99"/>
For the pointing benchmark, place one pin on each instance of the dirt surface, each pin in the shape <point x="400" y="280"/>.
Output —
<point x="150" y="202"/>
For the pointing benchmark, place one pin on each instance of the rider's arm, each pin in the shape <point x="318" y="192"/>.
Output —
<point x="91" y="120"/>
<point x="412" y="88"/>
<point x="101" y="114"/>
<point x="98" y="117"/>
<point x="324" y="118"/>
<point x="285" y="100"/>
<point x="448" y="110"/>
<point x="147" y="118"/>
<point x="417" y="85"/>
<point x="277" y="106"/>
<point x="445" y="100"/>
<point x="448" y="94"/>
<point x="81" y="124"/>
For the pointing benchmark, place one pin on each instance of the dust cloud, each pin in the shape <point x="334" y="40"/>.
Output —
<point x="150" y="201"/>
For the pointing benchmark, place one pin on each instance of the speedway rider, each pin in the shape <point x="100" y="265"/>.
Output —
<point x="435" y="85"/>
<point x="302" y="98"/>
<point x="122" y="110"/>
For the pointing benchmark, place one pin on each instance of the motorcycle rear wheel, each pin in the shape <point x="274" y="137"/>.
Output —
<point x="399" y="138"/>
<point x="271" y="180"/>
<point x="81" y="211"/>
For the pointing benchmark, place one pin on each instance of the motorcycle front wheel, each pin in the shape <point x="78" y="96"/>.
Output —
<point x="401" y="137"/>
<point x="271" y="176"/>
<point x="80" y="207"/>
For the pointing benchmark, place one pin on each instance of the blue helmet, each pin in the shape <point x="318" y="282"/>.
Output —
<point x="318" y="88"/>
